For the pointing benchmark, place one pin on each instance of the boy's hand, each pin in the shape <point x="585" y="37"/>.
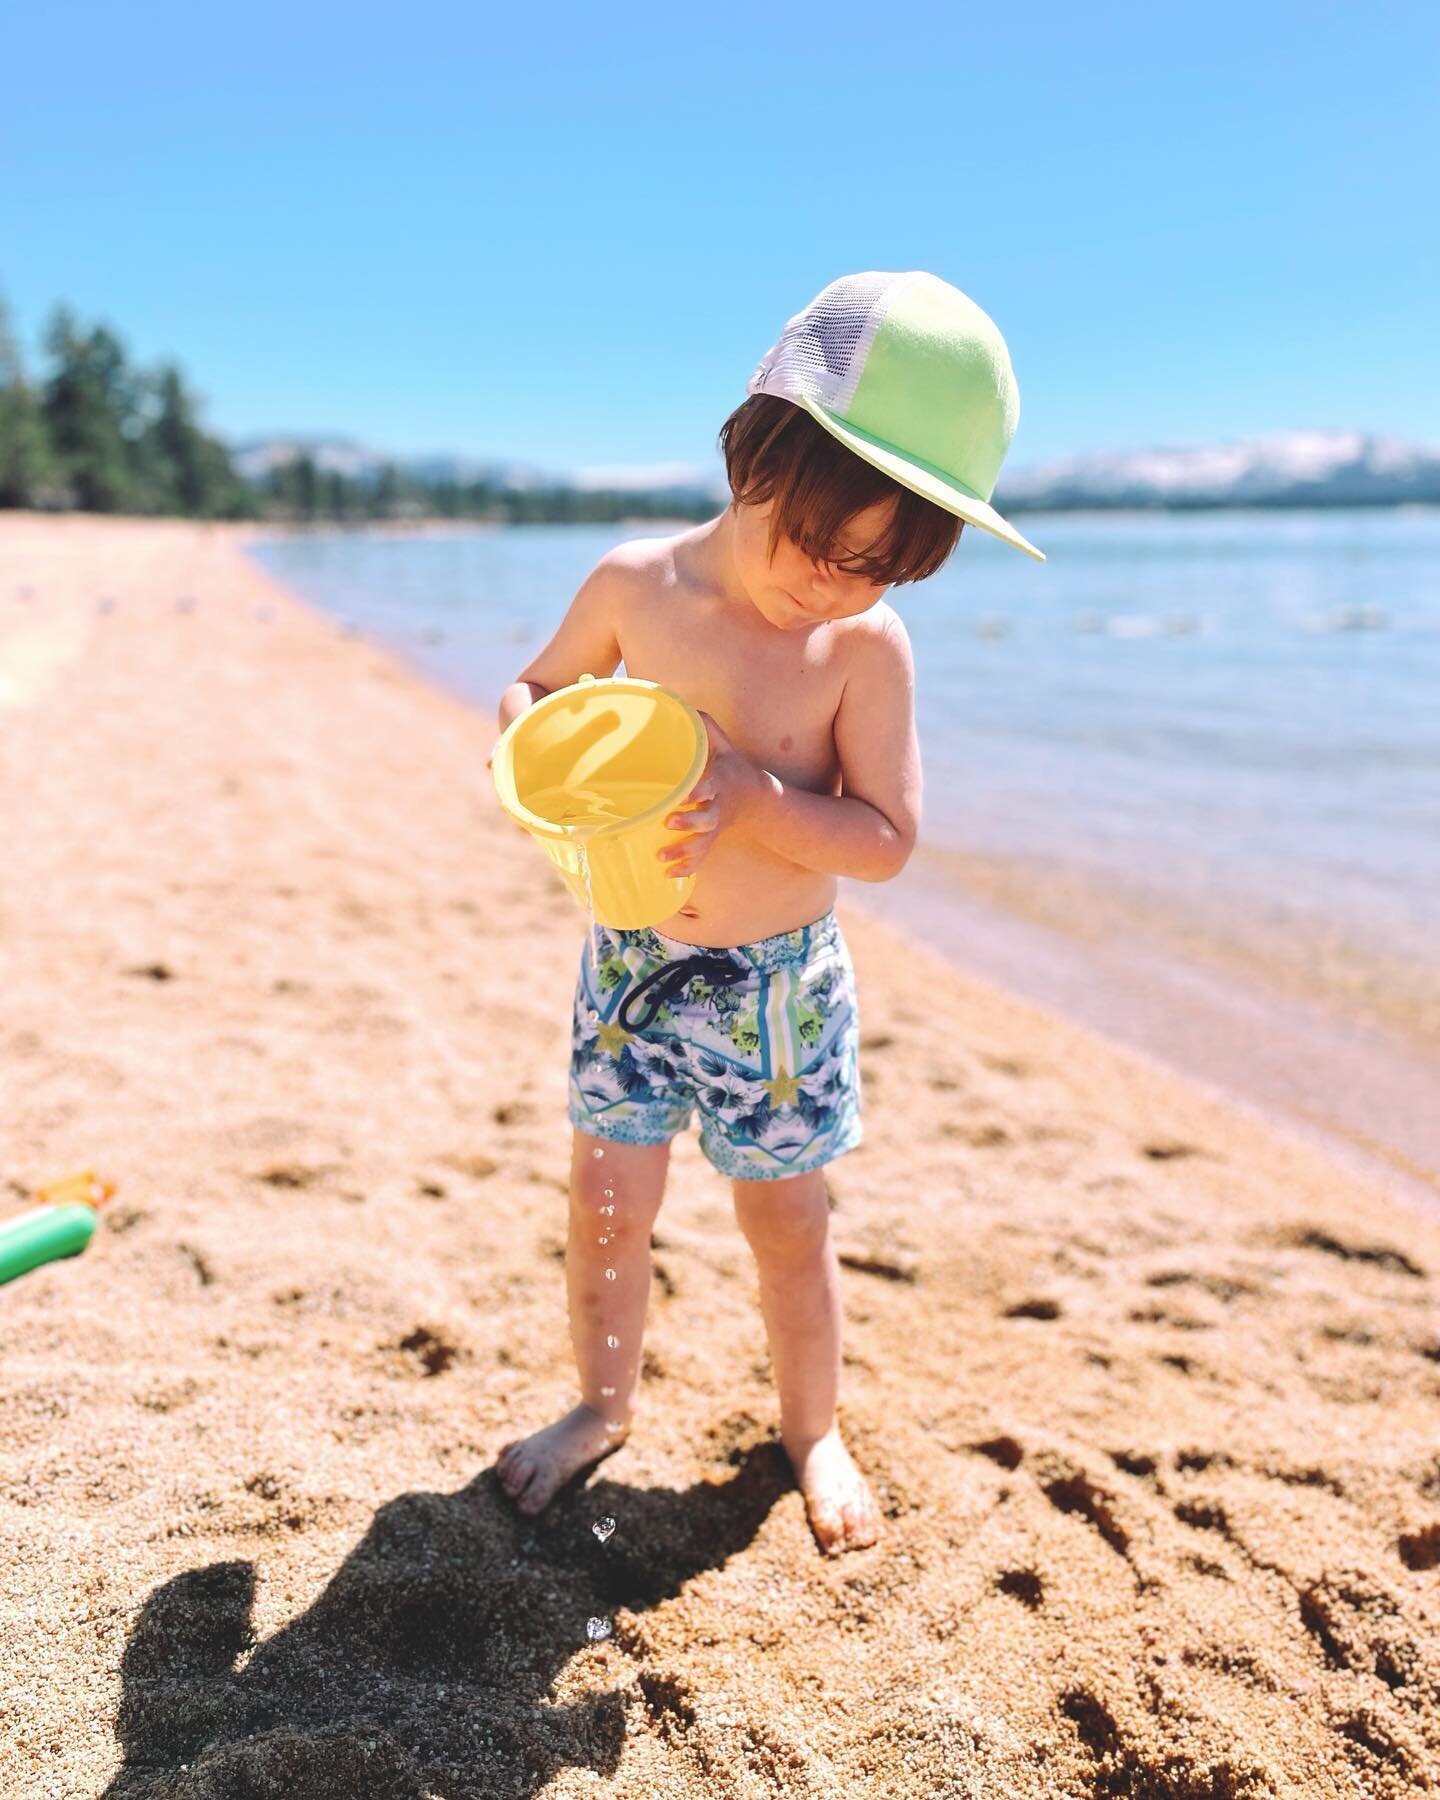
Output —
<point x="730" y="785"/>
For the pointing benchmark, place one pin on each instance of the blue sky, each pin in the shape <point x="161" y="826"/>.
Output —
<point x="565" y="235"/>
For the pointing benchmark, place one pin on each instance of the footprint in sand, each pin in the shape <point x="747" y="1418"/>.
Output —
<point x="1033" y="1309"/>
<point x="1023" y="1585"/>
<point x="290" y="1175"/>
<point x="1420" y="1550"/>
<point x="1221" y="1286"/>
<point x="423" y="1352"/>
<point x="1071" y="1490"/>
<point x="478" y="1168"/>
<point x="1004" y="1450"/>
<point x="156" y="971"/>
<point x="1163" y="1315"/>
<point x="1312" y="1238"/>
<point x="199" y="1263"/>
<point x="889" y="1268"/>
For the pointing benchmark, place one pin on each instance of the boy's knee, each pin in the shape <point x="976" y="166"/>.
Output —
<point x="783" y="1220"/>
<point x="616" y="1200"/>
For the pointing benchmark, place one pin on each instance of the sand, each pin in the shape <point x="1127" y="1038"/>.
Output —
<point x="1150" y="1395"/>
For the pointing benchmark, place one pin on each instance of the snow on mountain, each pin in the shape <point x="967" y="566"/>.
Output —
<point x="1316" y="468"/>
<point x="653" y="478"/>
<point x="1310" y="467"/>
<point x="256" y="457"/>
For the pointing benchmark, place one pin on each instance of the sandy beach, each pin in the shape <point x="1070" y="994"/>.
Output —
<point x="1149" y="1392"/>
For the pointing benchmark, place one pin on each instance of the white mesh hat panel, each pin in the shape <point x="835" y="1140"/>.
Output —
<point x="821" y="352"/>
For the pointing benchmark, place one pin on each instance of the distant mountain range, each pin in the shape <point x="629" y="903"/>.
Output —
<point x="255" y="458"/>
<point x="1298" y="468"/>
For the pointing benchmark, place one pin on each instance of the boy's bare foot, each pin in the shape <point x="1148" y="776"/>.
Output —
<point x="532" y="1468"/>
<point x="843" y="1513"/>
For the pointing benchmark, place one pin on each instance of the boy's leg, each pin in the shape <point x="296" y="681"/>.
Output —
<point x="787" y="1225"/>
<point x="631" y="1179"/>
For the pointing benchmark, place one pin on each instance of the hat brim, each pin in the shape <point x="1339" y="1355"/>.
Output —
<point x="921" y="478"/>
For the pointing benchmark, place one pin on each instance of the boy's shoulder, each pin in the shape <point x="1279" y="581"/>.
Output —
<point x="639" y="559"/>
<point x="879" y="634"/>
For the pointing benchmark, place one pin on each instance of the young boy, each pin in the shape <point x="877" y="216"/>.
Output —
<point x="876" y="426"/>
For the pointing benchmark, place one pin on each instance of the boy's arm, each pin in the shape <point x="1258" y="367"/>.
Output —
<point x="586" y="640"/>
<point x="869" y="830"/>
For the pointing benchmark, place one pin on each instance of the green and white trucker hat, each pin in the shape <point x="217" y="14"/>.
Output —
<point x="912" y="376"/>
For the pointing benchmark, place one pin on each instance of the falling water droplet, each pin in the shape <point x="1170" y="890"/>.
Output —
<point x="603" y="1529"/>
<point x="607" y="1392"/>
<point x="597" y="1629"/>
<point x="609" y="1193"/>
<point x="608" y="1211"/>
<point x="613" y="1342"/>
<point x="602" y="1240"/>
<point x="614" y="1425"/>
<point x="610" y="1275"/>
<point x="597" y="1152"/>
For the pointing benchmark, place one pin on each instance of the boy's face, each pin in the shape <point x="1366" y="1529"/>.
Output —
<point x="789" y="590"/>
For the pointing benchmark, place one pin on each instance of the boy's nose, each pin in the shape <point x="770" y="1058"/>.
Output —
<point x="822" y="591"/>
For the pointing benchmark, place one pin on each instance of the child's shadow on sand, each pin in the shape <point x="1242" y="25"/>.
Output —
<point x="423" y="1668"/>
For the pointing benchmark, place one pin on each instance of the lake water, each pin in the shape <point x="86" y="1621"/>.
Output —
<point x="1210" y="736"/>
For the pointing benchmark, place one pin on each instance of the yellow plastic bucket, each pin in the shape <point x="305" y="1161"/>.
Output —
<point x="591" y="771"/>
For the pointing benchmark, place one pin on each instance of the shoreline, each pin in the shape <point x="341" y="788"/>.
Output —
<point x="1317" y="1037"/>
<point x="1146" y="1390"/>
<point x="1358" y="1088"/>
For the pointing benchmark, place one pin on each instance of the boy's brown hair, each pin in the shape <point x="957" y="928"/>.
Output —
<point x="775" y="451"/>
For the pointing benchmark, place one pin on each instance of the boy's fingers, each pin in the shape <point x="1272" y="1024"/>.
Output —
<point x="689" y="851"/>
<point x="700" y="801"/>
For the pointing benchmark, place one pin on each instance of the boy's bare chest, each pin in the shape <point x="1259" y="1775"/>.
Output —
<point x="775" y="694"/>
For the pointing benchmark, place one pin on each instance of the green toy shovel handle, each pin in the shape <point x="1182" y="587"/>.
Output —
<point x="43" y="1235"/>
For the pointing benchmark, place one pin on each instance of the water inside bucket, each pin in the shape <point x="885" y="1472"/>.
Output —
<point x="587" y="806"/>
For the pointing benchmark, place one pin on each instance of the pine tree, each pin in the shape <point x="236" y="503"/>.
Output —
<point x="387" y="493"/>
<point x="180" y="446"/>
<point x="26" y="466"/>
<point x="336" y="491"/>
<point x="89" y="401"/>
<point x="306" y="485"/>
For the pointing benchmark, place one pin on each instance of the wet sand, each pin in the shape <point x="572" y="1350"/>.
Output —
<point x="1150" y="1394"/>
<point x="1346" y="1056"/>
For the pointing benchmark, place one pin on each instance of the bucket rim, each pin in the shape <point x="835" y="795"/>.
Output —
<point x="502" y="758"/>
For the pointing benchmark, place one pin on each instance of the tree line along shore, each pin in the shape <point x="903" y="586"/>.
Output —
<point x="93" y="432"/>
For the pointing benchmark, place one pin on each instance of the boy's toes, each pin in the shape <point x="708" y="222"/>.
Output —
<point x="862" y="1525"/>
<point x="842" y="1528"/>
<point x="829" y="1527"/>
<point x="514" y="1473"/>
<point x="532" y="1498"/>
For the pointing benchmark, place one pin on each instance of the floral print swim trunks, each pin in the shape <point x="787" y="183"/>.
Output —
<point x="763" y="1038"/>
